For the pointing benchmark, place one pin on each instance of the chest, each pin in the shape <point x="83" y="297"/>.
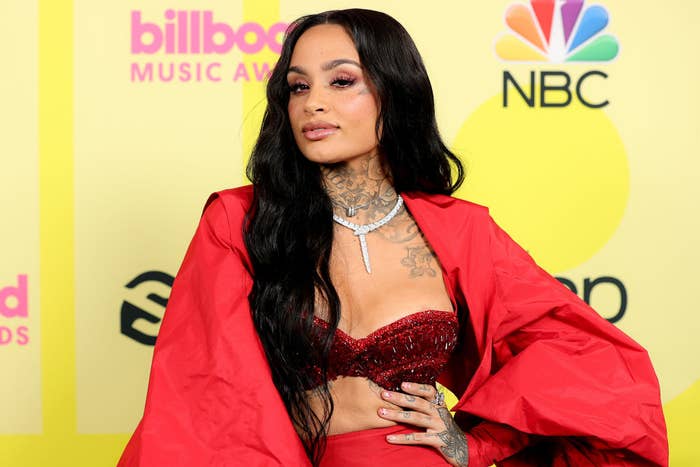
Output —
<point x="406" y="277"/>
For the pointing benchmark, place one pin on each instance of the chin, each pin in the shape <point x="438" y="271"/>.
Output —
<point x="325" y="160"/>
<point x="323" y="157"/>
<point x="330" y="156"/>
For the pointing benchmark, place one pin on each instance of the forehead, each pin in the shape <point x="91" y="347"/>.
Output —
<point x="323" y="42"/>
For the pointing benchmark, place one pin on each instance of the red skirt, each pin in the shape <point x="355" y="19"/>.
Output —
<point x="370" y="448"/>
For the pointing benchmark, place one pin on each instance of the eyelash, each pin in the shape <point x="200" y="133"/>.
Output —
<point x="296" y="87"/>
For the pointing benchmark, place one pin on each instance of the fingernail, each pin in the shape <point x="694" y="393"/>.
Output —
<point x="391" y="438"/>
<point x="382" y="411"/>
<point x="386" y="394"/>
<point x="406" y="385"/>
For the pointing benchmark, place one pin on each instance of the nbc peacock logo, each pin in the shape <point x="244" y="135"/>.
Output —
<point x="556" y="31"/>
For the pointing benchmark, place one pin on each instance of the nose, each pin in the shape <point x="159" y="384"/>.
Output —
<point x="316" y="100"/>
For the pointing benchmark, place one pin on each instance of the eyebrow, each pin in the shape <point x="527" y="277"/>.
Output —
<point x="326" y="66"/>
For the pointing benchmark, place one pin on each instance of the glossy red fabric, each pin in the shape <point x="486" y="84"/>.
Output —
<point x="369" y="447"/>
<point x="541" y="378"/>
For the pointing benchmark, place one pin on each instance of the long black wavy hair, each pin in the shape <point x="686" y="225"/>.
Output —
<point x="289" y="227"/>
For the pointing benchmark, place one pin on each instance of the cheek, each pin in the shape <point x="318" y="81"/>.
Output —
<point x="294" y="121"/>
<point x="292" y="110"/>
<point x="362" y="109"/>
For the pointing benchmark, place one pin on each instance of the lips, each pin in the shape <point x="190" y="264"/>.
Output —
<point x="318" y="130"/>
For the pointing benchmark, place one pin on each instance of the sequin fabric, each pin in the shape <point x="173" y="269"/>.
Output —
<point x="413" y="348"/>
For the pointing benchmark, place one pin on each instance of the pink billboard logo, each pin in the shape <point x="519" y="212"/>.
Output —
<point x="13" y="304"/>
<point x="191" y="46"/>
<point x="196" y="32"/>
<point x="13" y="299"/>
<point x="19" y="335"/>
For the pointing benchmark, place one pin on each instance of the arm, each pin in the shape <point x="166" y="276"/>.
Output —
<point x="556" y="369"/>
<point x="211" y="400"/>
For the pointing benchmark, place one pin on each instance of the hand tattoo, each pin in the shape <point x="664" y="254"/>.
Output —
<point x="455" y="441"/>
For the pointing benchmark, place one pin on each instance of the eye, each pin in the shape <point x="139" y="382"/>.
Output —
<point x="296" y="88"/>
<point x="343" y="81"/>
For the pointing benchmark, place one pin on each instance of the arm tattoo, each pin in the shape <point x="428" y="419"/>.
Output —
<point x="420" y="260"/>
<point x="455" y="441"/>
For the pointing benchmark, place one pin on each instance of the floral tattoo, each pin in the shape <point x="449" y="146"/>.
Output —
<point x="455" y="441"/>
<point x="420" y="260"/>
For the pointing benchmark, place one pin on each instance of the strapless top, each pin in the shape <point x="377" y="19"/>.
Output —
<point x="413" y="348"/>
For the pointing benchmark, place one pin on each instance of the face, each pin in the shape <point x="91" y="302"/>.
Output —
<point x="332" y="106"/>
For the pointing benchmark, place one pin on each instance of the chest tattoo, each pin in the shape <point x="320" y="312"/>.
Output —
<point x="420" y="261"/>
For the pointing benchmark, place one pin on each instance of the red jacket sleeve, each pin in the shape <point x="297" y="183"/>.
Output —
<point x="210" y="398"/>
<point x="490" y="442"/>
<point x="561" y="382"/>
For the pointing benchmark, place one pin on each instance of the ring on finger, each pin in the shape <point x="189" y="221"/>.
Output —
<point x="439" y="399"/>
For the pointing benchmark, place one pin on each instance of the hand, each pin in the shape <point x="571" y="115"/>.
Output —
<point x="441" y="432"/>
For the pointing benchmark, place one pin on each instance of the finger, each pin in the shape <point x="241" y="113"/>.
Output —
<point x="425" y="391"/>
<point x="408" y="401"/>
<point x="413" y="418"/>
<point x="419" y="437"/>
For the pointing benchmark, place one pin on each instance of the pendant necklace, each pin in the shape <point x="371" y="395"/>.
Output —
<point x="361" y="230"/>
<point x="350" y="211"/>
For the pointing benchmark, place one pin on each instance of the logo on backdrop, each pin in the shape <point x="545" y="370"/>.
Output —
<point x="194" y="46"/>
<point x="559" y="181"/>
<point x="586" y="294"/>
<point x="14" y="309"/>
<point x="139" y="323"/>
<point x="555" y="31"/>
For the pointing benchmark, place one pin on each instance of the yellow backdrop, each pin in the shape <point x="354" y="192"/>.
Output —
<point x="118" y="124"/>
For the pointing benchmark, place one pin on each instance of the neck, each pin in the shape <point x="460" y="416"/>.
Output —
<point x="360" y="183"/>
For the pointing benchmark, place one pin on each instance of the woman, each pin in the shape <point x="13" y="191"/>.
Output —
<point x="315" y="309"/>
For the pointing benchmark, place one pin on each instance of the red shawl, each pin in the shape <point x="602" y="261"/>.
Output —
<point x="541" y="378"/>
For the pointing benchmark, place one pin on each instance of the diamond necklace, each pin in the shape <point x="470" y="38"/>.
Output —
<point x="361" y="230"/>
<point x="350" y="211"/>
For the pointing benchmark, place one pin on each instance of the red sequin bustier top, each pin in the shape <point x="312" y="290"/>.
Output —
<point x="413" y="348"/>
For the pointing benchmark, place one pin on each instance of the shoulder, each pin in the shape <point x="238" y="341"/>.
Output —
<point x="235" y="200"/>
<point x="448" y="202"/>
<point x="469" y="224"/>
<point x="224" y="211"/>
<point x="445" y="209"/>
<point x="464" y="228"/>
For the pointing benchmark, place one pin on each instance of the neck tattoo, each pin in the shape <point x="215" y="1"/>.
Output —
<point x="350" y="211"/>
